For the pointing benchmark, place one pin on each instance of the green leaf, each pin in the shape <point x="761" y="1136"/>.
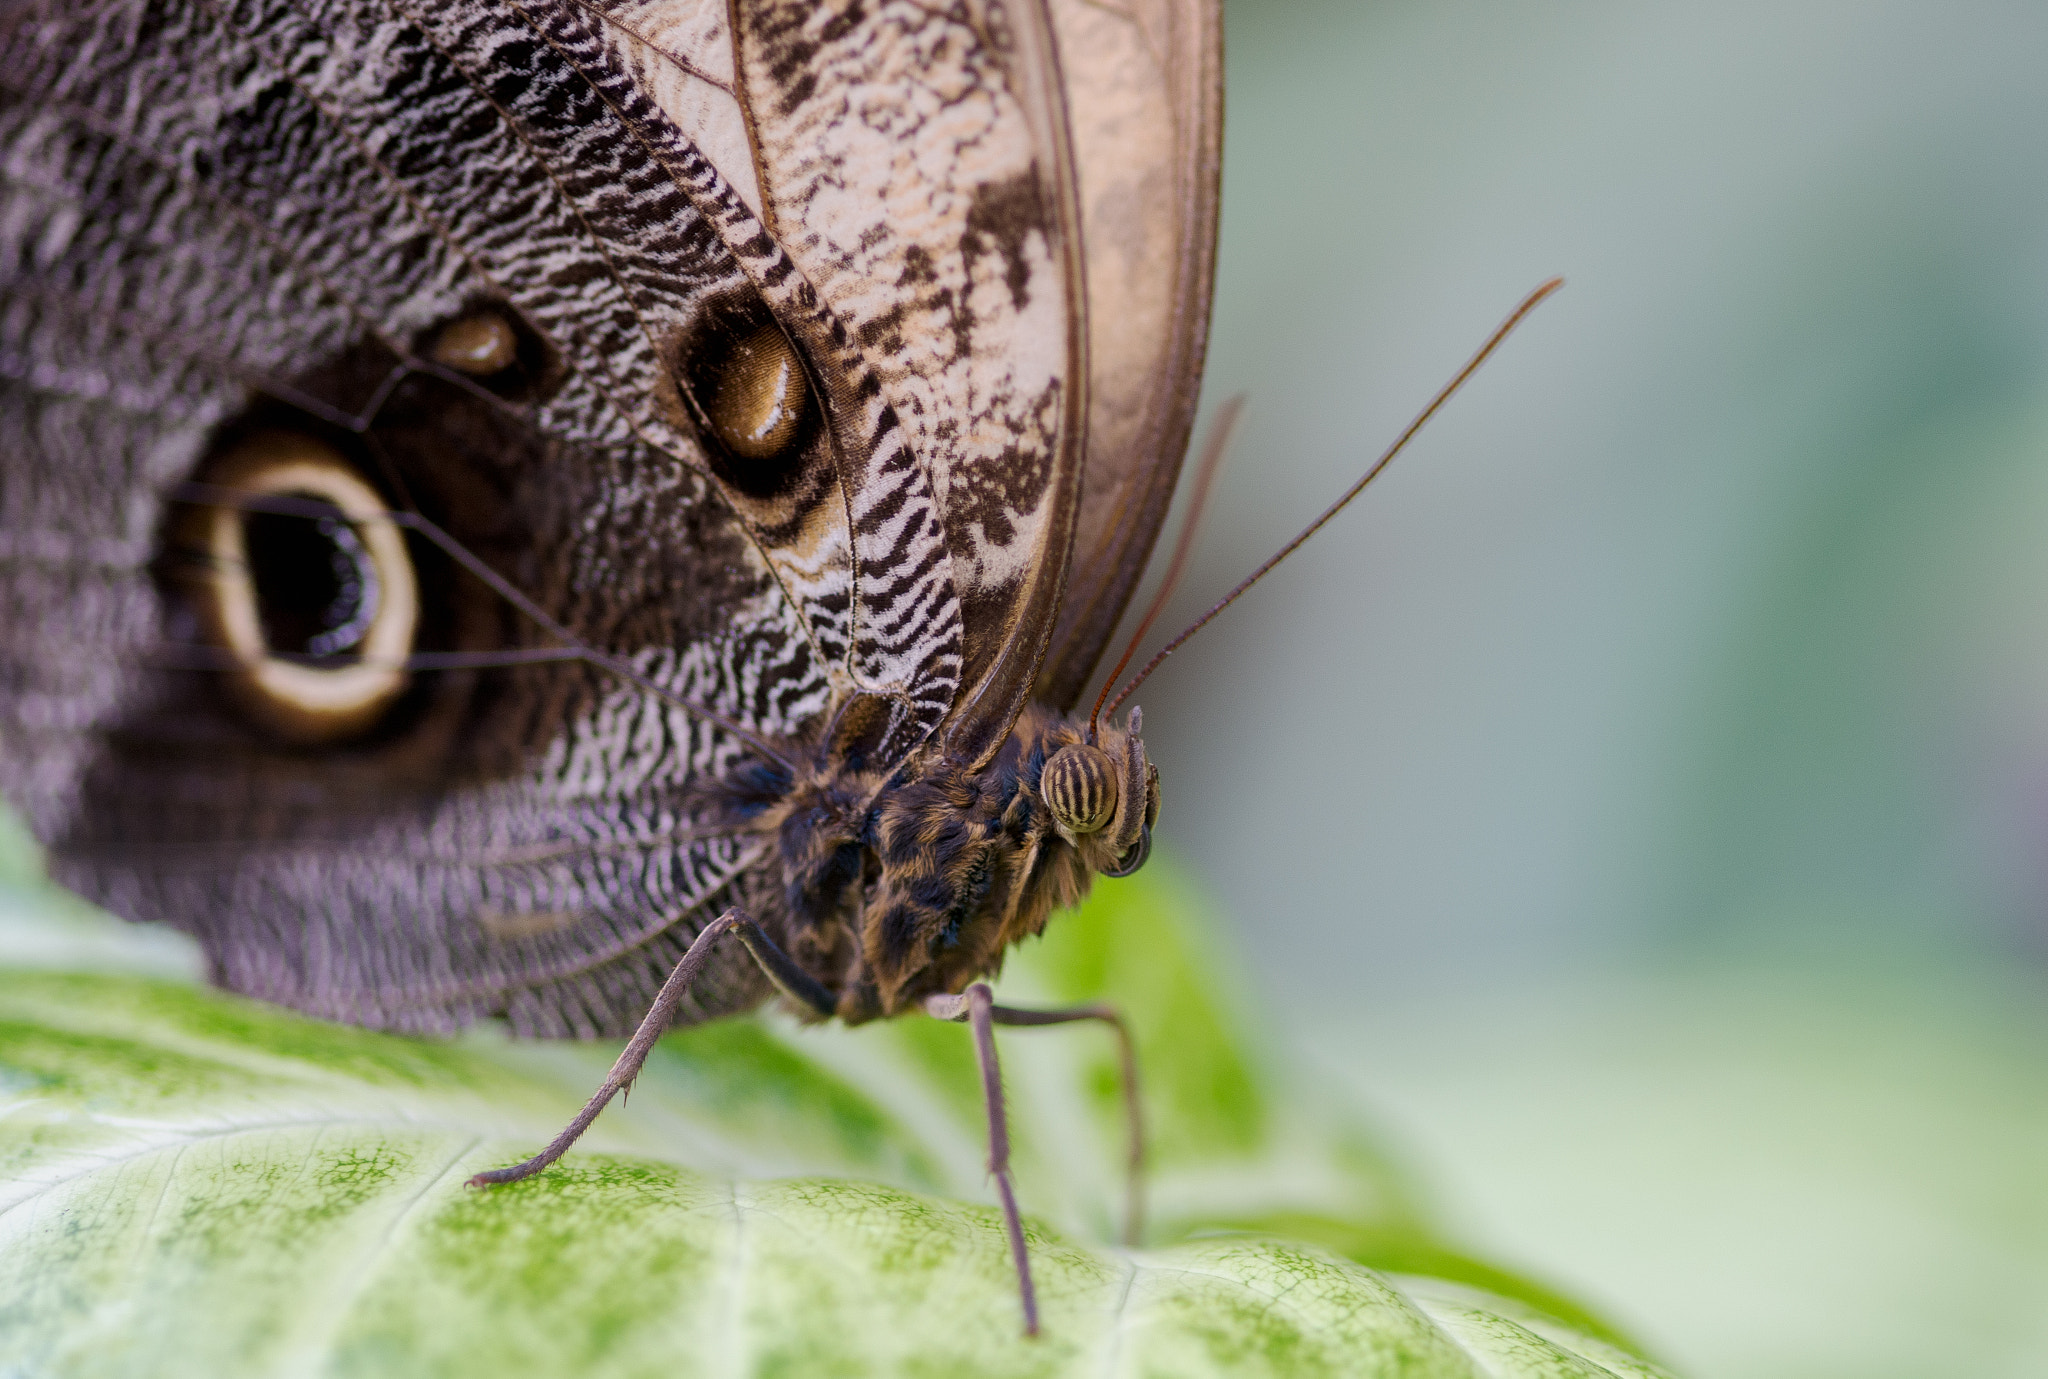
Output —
<point x="195" y="1183"/>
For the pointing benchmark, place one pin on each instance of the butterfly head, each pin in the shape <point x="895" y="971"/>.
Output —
<point x="1102" y="798"/>
<point x="961" y="863"/>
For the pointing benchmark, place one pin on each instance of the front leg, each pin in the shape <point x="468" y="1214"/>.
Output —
<point x="977" y="1006"/>
<point x="790" y="979"/>
<point x="1134" y="1111"/>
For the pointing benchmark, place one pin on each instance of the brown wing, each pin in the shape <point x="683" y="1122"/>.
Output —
<point x="915" y="164"/>
<point x="1145" y="103"/>
<point x="259" y="219"/>
<point x="938" y="173"/>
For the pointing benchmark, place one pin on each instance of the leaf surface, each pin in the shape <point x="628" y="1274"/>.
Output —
<point x="191" y="1183"/>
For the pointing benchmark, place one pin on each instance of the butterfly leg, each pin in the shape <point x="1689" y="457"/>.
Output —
<point x="1134" y="1112"/>
<point x="977" y="1006"/>
<point x="790" y="979"/>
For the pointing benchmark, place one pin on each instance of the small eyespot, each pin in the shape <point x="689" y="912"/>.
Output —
<point x="742" y="385"/>
<point x="308" y="587"/>
<point x="757" y="396"/>
<point x="495" y="347"/>
<point x="479" y="344"/>
<point x="1079" y="786"/>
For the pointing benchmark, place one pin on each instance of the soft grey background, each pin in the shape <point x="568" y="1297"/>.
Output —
<point x="1639" y="797"/>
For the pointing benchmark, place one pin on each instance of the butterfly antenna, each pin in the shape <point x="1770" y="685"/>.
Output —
<point x="1501" y="332"/>
<point x="1213" y="451"/>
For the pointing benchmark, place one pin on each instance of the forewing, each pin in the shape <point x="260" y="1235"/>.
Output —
<point x="915" y="164"/>
<point x="680" y="53"/>
<point x="1145" y="103"/>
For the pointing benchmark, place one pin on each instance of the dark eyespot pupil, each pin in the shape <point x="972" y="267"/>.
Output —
<point x="316" y="585"/>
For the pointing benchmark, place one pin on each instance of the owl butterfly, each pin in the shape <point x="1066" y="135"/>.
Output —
<point x="499" y="495"/>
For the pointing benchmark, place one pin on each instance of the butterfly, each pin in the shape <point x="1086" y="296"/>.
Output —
<point x="593" y="513"/>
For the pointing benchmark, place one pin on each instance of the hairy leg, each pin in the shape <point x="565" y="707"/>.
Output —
<point x="1134" y="1114"/>
<point x="976" y="1006"/>
<point x="790" y="979"/>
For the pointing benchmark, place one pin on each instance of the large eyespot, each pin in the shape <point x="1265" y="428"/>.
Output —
<point x="1079" y="786"/>
<point x="308" y="587"/>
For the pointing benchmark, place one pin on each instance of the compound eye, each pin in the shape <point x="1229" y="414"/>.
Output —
<point x="1079" y="786"/>
<point x="307" y="586"/>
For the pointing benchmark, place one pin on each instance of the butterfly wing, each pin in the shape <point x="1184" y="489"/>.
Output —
<point x="966" y="292"/>
<point x="219" y="221"/>
<point x="1119" y="152"/>
<point x="225" y="220"/>
<point x="1145" y="103"/>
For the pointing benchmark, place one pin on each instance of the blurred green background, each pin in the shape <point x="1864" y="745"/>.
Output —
<point x="1640" y="799"/>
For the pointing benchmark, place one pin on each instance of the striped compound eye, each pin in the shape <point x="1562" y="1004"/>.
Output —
<point x="1079" y="786"/>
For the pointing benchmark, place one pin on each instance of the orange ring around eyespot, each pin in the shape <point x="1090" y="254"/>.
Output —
<point x="307" y="703"/>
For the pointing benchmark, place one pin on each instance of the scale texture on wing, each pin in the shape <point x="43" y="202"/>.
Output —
<point x="1144" y="84"/>
<point x="256" y="214"/>
<point x="914" y="164"/>
<point x="776" y="394"/>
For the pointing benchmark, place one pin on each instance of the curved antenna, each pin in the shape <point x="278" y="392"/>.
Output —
<point x="1500" y="333"/>
<point x="1213" y="451"/>
<point x="213" y="495"/>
